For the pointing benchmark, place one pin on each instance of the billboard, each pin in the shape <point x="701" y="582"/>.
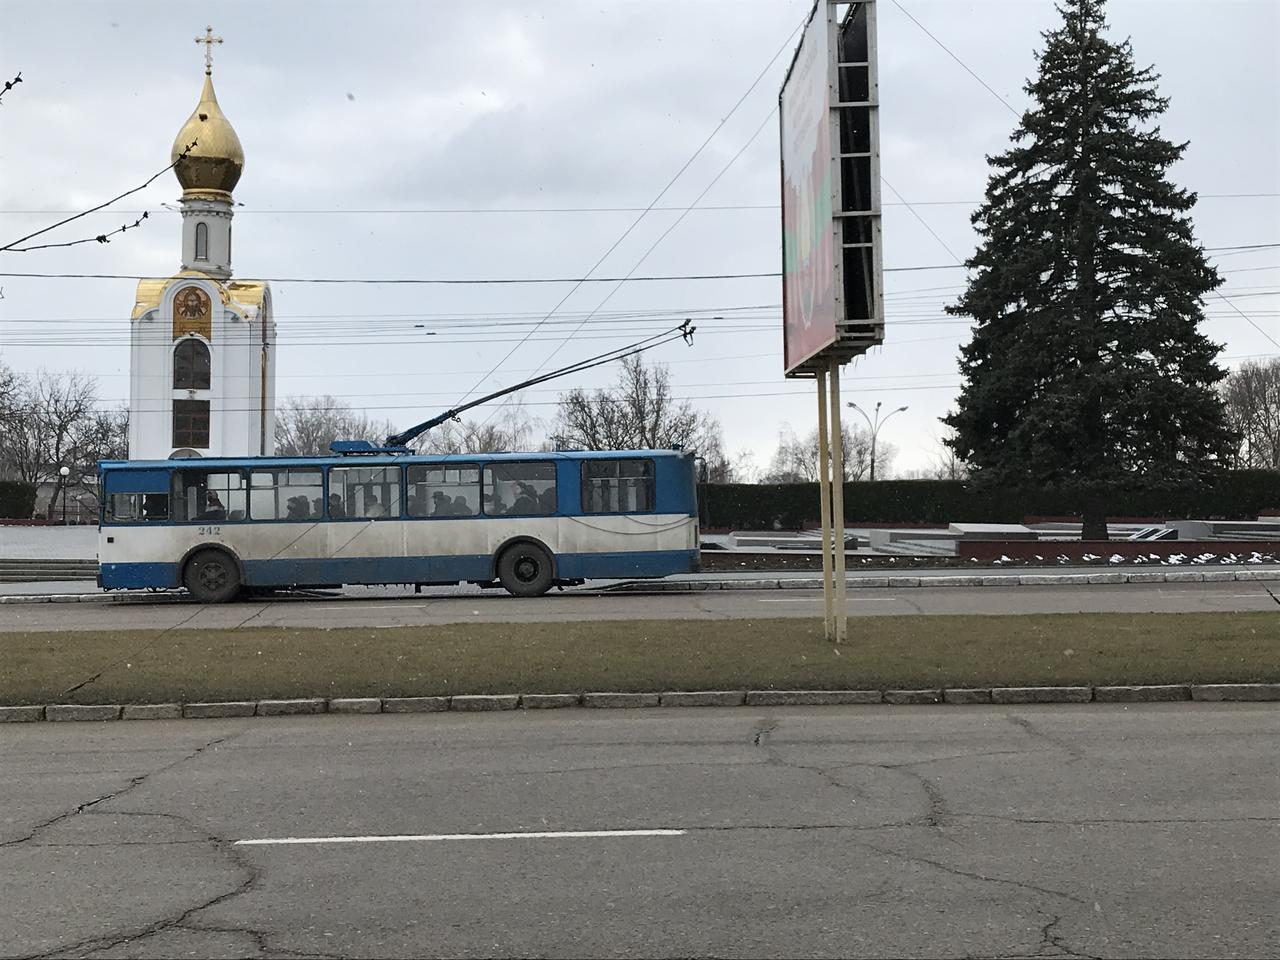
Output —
<point x="833" y="305"/>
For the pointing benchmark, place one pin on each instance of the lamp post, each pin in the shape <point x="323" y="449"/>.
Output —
<point x="64" y="472"/>
<point x="874" y="427"/>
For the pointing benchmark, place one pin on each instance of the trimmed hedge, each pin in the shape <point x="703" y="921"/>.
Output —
<point x="17" y="500"/>
<point x="1241" y="494"/>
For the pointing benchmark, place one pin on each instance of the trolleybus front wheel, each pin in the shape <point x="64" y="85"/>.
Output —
<point x="212" y="577"/>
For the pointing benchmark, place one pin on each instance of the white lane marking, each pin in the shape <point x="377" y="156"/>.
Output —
<point x="790" y="600"/>
<point x="427" y="837"/>
<point x="333" y="606"/>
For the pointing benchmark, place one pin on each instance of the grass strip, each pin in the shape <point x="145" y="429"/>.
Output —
<point x="141" y="666"/>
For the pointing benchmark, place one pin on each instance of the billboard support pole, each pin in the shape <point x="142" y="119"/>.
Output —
<point x="824" y="505"/>
<point x="837" y="507"/>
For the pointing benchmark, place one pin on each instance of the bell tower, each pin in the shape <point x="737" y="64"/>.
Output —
<point x="202" y="346"/>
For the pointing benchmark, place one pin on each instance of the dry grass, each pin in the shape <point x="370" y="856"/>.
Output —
<point x="884" y="652"/>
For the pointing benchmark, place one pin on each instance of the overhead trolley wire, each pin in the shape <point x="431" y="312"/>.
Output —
<point x="663" y="192"/>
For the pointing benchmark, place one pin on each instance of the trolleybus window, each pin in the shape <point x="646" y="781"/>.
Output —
<point x="131" y="507"/>
<point x="286" y="494"/>
<point x="617" y="486"/>
<point x="364" y="492"/>
<point x="520" y="489"/>
<point x="207" y="496"/>
<point x="451" y="490"/>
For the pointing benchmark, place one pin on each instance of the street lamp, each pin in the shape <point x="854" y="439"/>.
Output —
<point x="64" y="472"/>
<point x="874" y="427"/>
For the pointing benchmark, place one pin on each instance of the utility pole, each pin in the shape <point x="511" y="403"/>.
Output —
<point x="874" y="427"/>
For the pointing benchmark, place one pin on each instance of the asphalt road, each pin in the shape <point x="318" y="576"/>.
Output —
<point x="872" y="831"/>
<point x="353" y="611"/>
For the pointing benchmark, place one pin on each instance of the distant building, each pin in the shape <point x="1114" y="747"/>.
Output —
<point x="202" y="346"/>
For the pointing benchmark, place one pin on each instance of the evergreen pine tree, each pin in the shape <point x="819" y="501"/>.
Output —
<point x="1087" y="368"/>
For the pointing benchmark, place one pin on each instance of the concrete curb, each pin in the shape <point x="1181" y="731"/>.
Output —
<point x="482" y="702"/>
<point x="1142" y="694"/>
<point x="291" y="708"/>
<point x="1235" y="691"/>
<point x="219" y="711"/>
<point x="69" y="711"/>
<point x="620" y="700"/>
<point x="703" y="698"/>
<point x="1200" y="573"/>
<point x="415" y="704"/>
<point x="811" y="698"/>
<point x="355" y="705"/>
<point x="966" y="695"/>
<point x="1009" y="696"/>
<point x="1094" y="578"/>
<point x="1041" y="694"/>
<point x="152" y="711"/>
<point x="912" y="697"/>
<point x="549" y="701"/>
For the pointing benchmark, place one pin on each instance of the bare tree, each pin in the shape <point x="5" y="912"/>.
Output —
<point x="637" y="413"/>
<point x="12" y="388"/>
<point x="306" y="426"/>
<point x="42" y="426"/>
<point x="796" y="458"/>
<point x="946" y="464"/>
<point x="104" y="435"/>
<point x="1252" y="398"/>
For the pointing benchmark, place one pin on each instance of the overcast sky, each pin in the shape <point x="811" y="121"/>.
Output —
<point x="360" y="123"/>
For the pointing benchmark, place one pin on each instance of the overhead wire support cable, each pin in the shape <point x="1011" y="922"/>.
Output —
<point x="10" y="84"/>
<point x="653" y="246"/>
<point x="1250" y="319"/>
<point x="924" y="223"/>
<point x="14" y="248"/>
<point x="1003" y="102"/>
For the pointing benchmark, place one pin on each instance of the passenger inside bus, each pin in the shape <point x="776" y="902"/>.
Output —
<point x="335" y="507"/>
<point x="214" y="510"/>
<point x="527" y="501"/>
<point x="372" y="508"/>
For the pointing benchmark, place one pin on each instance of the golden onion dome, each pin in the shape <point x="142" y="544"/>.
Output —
<point x="214" y="164"/>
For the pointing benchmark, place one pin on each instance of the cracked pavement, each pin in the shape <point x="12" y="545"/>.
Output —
<point x="1076" y="831"/>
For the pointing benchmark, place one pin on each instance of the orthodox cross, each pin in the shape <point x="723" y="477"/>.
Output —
<point x="208" y="40"/>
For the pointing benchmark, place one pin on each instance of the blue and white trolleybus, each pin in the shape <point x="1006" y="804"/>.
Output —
<point x="527" y="521"/>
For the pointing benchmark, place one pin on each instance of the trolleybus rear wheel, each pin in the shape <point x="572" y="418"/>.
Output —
<point x="525" y="570"/>
<point x="211" y="577"/>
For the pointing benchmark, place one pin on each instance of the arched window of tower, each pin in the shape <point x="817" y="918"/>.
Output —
<point x="202" y="241"/>
<point x="191" y="365"/>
